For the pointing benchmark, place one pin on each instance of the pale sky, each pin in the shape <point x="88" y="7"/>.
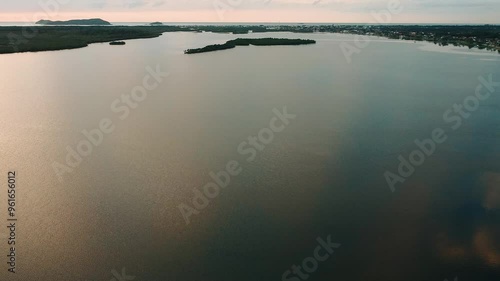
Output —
<point x="297" y="11"/>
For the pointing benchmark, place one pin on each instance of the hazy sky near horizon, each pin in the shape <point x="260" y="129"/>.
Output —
<point x="412" y="11"/>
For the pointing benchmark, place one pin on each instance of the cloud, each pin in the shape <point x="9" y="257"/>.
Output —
<point x="126" y="4"/>
<point x="158" y="4"/>
<point x="136" y="4"/>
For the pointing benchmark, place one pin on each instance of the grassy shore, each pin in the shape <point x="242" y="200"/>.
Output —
<point x="48" y="38"/>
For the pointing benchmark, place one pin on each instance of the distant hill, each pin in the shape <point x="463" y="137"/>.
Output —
<point x="75" y="22"/>
<point x="156" y="23"/>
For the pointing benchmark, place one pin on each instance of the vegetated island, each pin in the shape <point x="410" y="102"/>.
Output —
<point x="13" y="39"/>
<point x="117" y="43"/>
<point x="250" y="41"/>
<point x="52" y="38"/>
<point x="156" y="23"/>
<point x="75" y="22"/>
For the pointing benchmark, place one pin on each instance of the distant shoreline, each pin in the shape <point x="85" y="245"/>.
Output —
<point x="51" y="38"/>
<point x="141" y="23"/>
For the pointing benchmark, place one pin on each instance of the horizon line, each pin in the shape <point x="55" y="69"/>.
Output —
<point x="258" y="22"/>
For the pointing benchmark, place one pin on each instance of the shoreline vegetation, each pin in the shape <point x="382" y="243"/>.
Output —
<point x="52" y="36"/>
<point x="250" y="41"/>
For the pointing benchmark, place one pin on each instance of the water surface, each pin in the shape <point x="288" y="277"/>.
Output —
<point x="323" y="175"/>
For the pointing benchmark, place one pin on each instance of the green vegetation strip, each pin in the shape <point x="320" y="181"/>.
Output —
<point x="47" y="38"/>
<point x="249" y="41"/>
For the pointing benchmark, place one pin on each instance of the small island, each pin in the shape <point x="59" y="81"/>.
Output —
<point x="156" y="23"/>
<point x="74" y="22"/>
<point x="117" y="43"/>
<point x="250" y="41"/>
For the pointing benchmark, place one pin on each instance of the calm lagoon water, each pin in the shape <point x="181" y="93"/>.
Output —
<point x="322" y="175"/>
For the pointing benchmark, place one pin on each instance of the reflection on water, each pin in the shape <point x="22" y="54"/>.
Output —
<point x="322" y="175"/>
